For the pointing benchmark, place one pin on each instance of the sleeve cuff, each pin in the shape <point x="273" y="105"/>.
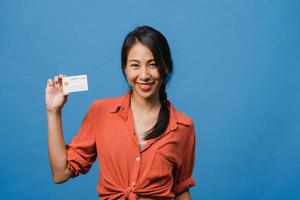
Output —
<point x="184" y="185"/>
<point x="76" y="163"/>
<point x="73" y="170"/>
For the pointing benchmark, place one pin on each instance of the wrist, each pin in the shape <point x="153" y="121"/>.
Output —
<point x="54" y="112"/>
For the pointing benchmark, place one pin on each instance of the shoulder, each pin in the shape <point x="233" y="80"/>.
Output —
<point x="106" y="104"/>
<point x="185" y="123"/>
<point x="184" y="118"/>
<point x="180" y="117"/>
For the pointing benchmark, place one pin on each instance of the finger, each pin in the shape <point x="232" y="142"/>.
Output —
<point x="55" y="79"/>
<point x="66" y="94"/>
<point x="56" y="82"/>
<point x="49" y="83"/>
<point x="60" y="76"/>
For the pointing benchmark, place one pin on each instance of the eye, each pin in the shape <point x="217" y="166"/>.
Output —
<point x="153" y="65"/>
<point x="134" y="65"/>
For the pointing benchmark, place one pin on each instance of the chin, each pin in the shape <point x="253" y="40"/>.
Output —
<point x="145" y="95"/>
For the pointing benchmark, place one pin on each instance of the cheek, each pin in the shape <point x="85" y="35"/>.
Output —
<point x="155" y="74"/>
<point x="130" y="75"/>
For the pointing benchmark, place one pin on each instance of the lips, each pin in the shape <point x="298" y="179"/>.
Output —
<point x="145" y="86"/>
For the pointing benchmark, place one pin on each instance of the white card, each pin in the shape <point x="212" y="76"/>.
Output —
<point x="75" y="83"/>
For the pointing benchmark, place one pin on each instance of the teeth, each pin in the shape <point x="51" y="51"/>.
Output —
<point x="145" y="85"/>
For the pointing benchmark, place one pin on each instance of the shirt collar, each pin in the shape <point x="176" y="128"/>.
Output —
<point x="122" y="107"/>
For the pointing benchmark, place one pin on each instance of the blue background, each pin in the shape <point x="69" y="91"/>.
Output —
<point x="237" y="73"/>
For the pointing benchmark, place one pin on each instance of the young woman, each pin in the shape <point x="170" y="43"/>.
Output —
<point x="145" y="147"/>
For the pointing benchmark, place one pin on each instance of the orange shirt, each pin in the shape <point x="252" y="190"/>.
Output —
<point x="161" y="169"/>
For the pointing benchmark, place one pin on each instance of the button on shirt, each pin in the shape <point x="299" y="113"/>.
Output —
<point x="161" y="169"/>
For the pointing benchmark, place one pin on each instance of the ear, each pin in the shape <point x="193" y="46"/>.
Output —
<point x="125" y="69"/>
<point x="166" y="70"/>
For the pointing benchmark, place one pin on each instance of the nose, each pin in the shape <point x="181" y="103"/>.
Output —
<point x="144" y="75"/>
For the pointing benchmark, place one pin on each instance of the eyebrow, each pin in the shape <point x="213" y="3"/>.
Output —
<point x="135" y="60"/>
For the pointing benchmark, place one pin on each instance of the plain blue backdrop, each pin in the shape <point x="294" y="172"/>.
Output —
<point x="237" y="73"/>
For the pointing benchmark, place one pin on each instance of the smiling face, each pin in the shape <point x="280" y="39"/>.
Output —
<point x="142" y="73"/>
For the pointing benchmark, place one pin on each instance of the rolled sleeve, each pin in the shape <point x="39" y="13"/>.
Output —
<point x="183" y="178"/>
<point x="81" y="152"/>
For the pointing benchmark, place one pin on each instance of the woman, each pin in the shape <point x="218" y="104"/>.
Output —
<point x="146" y="148"/>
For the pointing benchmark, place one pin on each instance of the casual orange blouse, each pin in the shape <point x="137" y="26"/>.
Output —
<point x="161" y="169"/>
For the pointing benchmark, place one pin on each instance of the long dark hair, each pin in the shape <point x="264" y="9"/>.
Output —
<point x="158" y="45"/>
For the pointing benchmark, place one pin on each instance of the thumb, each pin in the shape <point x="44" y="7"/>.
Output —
<point x="65" y="94"/>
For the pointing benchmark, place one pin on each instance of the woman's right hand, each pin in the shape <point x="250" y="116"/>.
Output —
<point x="54" y="96"/>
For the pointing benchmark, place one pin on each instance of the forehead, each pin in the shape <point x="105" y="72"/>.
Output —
<point x="139" y="52"/>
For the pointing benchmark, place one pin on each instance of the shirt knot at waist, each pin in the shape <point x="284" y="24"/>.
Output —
<point x="129" y="194"/>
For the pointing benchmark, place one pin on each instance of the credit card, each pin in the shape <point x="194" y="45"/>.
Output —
<point x="76" y="83"/>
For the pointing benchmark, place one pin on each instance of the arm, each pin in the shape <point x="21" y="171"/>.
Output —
<point x="183" y="196"/>
<point x="55" y="99"/>
<point x="183" y="176"/>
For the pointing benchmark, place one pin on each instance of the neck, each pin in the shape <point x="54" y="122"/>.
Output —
<point x="145" y="105"/>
